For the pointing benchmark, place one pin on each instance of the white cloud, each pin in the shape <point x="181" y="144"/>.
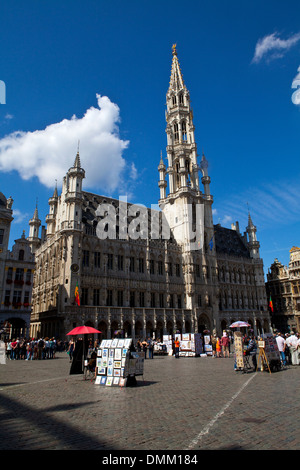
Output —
<point x="133" y="172"/>
<point x="271" y="205"/>
<point x="20" y="216"/>
<point x="272" y="47"/>
<point x="226" y="219"/>
<point x="296" y="84"/>
<point x="49" y="153"/>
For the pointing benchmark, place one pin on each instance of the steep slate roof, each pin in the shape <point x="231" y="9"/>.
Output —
<point x="230" y="242"/>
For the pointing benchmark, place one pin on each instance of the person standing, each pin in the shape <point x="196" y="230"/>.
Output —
<point x="13" y="349"/>
<point x="8" y="350"/>
<point x="144" y="346"/>
<point x="281" y="343"/>
<point x="176" y="347"/>
<point x="293" y="344"/>
<point x="150" y="346"/>
<point x="218" y="347"/>
<point x="214" y="343"/>
<point x="251" y="350"/>
<point x="40" y="348"/>
<point x="71" y="349"/>
<point x="225" y="345"/>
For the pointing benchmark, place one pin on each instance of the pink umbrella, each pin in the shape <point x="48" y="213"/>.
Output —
<point x="239" y="324"/>
<point x="83" y="330"/>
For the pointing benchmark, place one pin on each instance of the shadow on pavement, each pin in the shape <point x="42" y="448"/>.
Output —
<point x="39" y="427"/>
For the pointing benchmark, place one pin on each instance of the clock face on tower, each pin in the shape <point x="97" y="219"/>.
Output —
<point x="75" y="268"/>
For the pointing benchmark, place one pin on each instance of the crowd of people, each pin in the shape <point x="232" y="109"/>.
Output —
<point x="34" y="348"/>
<point x="146" y="345"/>
<point x="289" y="347"/>
<point x="222" y="346"/>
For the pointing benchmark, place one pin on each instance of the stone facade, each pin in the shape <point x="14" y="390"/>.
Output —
<point x="16" y="276"/>
<point x="147" y="271"/>
<point x="283" y="287"/>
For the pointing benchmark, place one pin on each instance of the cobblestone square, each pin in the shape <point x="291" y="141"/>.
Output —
<point x="187" y="404"/>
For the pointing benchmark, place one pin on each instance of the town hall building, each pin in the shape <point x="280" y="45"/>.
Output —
<point x="143" y="271"/>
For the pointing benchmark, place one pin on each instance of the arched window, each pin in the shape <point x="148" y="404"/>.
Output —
<point x="183" y="128"/>
<point x="176" y="132"/>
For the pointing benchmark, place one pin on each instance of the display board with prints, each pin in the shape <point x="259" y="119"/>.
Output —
<point x="238" y="350"/>
<point x="115" y="363"/>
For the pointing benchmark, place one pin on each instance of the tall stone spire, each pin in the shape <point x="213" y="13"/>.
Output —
<point x="176" y="80"/>
<point x="181" y="146"/>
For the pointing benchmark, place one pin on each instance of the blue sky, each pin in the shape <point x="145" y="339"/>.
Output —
<point x="99" y="71"/>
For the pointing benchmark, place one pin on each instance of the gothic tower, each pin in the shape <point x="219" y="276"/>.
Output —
<point x="187" y="209"/>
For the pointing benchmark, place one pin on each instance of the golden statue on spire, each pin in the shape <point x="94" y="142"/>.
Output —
<point x="174" y="49"/>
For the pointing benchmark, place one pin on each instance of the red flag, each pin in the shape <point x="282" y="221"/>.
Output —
<point x="77" y="300"/>
<point x="271" y="305"/>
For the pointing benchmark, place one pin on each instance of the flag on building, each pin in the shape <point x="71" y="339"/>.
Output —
<point x="271" y="304"/>
<point x="77" y="300"/>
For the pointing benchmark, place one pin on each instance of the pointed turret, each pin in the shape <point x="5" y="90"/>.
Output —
<point x="162" y="178"/>
<point x="253" y="244"/>
<point x="51" y="217"/>
<point x="34" y="226"/>
<point x="75" y="176"/>
<point x="73" y="193"/>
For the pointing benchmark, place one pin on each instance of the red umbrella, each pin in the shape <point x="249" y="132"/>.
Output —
<point x="83" y="330"/>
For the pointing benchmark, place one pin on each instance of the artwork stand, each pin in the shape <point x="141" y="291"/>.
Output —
<point x="262" y="358"/>
<point x="118" y="363"/>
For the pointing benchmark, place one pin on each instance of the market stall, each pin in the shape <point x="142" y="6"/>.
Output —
<point x="190" y="344"/>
